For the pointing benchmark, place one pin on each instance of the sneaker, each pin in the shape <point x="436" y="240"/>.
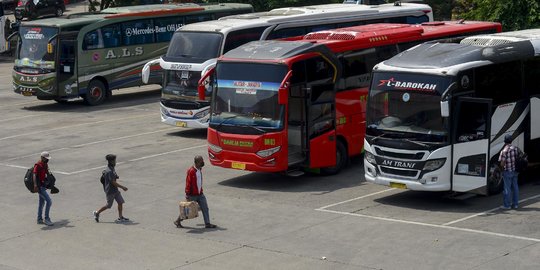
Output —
<point x="48" y="222"/>
<point x="209" y="226"/>
<point x="40" y="221"/>
<point x="505" y="208"/>
<point x="122" y="219"/>
<point x="178" y="224"/>
<point x="514" y="206"/>
<point x="96" y="216"/>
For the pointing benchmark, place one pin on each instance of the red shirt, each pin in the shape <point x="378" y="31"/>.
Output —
<point x="191" y="182"/>
<point x="40" y="169"/>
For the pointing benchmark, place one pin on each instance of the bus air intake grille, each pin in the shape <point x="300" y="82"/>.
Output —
<point x="487" y="42"/>
<point x="320" y="35"/>
<point x="183" y="105"/>
<point x="406" y="173"/>
<point x="342" y="36"/>
<point x="412" y="156"/>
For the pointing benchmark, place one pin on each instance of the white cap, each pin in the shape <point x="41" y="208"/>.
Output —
<point x="46" y="155"/>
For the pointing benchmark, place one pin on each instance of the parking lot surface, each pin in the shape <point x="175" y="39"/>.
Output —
<point x="265" y="221"/>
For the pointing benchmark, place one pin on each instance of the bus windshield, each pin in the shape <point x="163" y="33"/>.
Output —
<point x="407" y="106"/>
<point x="33" y="47"/>
<point x="247" y="95"/>
<point x="194" y="47"/>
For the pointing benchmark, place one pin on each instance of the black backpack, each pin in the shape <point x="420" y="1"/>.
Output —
<point x="102" y="179"/>
<point x="28" y="180"/>
<point x="522" y="161"/>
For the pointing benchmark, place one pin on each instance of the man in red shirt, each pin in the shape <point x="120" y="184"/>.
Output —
<point x="41" y="169"/>
<point x="194" y="191"/>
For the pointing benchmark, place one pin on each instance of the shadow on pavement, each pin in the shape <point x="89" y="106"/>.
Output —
<point x="60" y="224"/>
<point x="196" y="133"/>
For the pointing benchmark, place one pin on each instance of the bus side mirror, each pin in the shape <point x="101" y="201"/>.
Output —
<point x="283" y="96"/>
<point x="145" y="73"/>
<point x="201" y="88"/>
<point x="445" y="109"/>
<point x="49" y="48"/>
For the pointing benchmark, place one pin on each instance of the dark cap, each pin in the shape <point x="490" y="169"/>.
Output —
<point x="507" y="138"/>
<point x="110" y="157"/>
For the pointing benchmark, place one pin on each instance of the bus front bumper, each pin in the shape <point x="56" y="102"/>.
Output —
<point x="169" y="119"/>
<point x="247" y="161"/>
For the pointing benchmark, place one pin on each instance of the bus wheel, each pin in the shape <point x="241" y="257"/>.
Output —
<point x="341" y="160"/>
<point x="495" y="180"/>
<point x="96" y="93"/>
<point x="59" y="12"/>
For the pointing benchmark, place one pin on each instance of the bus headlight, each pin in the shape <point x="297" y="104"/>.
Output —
<point x="45" y="84"/>
<point x="268" y="152"/>
<point x="202" y="114"/>
<point x="215" y="148"/>
<point x="434" y="164"/>
<point x="369" y="157"/>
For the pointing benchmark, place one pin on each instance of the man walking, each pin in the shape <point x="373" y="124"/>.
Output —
<point x="110" y="186"/>
<point x="507" y="158"/>
<point x="39" y="176"/>
<point x="194" y="192"/>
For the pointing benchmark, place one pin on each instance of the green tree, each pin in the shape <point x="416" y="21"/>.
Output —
<point x="514" y="15"/>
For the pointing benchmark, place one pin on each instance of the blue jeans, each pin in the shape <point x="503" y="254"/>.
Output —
<point x="44" y="198"/>
<point x="201" y="200"/>
<point x="510" y="186"/>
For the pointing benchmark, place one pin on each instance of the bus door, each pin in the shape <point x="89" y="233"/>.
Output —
<point x="470" y="151"/>
<point x="321" y="123"/>
<point x="66" y="67"/>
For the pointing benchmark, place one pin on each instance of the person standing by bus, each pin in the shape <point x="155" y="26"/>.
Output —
<point x="39" y="176"/>
<point x="110" y="186"/>
<point x="508" y="157"/>
<point x="194" y="192"/>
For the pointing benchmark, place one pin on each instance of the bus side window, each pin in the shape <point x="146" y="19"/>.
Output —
<point x="135" y="32"/>
<point x="111" y="35"/>
<point x="166" y="27"/>
<point x="287" y="32"/>
<point x="319" y="71"/>
<point x="532" y="76"/>
<point x="93" y="40"/>
<point x="240" y="37"/>
<point x="500" y="82"/>
<point x="199" y="18"/>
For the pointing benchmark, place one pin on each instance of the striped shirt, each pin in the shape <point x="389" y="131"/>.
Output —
<point x="509" y="156"/>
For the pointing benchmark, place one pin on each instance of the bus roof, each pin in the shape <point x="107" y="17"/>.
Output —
<point x="451" y="58"/>
<point x="298" y="14"/>
<point x="358" y="37"/>
<point x="85" y="18"/>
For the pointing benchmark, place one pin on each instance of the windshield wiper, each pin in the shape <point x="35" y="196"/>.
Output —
<point x="255" y="128"/>
<point x="225" y="119"/>
<point x="416" y="142"/>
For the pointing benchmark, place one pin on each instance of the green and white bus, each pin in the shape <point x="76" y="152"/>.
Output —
<point x="89" y="54"/>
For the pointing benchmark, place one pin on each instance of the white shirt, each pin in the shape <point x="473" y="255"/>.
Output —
<point x="199" y="179"/>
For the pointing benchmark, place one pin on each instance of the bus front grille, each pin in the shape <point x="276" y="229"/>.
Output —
<point x="405" y="173"/>
<point x="184" y="105"/>
<point x="411" y="156"/>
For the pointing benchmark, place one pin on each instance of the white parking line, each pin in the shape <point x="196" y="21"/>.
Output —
<point x="21" y="117"/>
<point x="77" y="125"/>
<point x="434" y="225"/>
<point x="487" y="212"/>
<point x="26" y="168"/>
<point x="95" y="142"/>
<point x="354" y="199"/>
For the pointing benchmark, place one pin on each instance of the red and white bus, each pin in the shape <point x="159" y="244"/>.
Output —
<point x="280" y="106"/>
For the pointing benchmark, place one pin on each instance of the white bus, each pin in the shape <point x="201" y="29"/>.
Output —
<point x="194" y="48"/>
<point x="438" y="113"/>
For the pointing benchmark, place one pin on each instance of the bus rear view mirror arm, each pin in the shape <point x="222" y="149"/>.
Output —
<point x="445" y="106"/>
<point x="201" y="88"/>
<point x="283" y="96"/>
<point x="146" y="70"/>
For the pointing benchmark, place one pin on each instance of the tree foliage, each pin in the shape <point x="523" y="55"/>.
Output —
<point x="514" y="15"/>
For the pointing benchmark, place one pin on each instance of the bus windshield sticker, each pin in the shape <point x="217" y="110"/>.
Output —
<point x="248" y="87"/>
<point x="34" y="33"/>
<point x="404" y="85"/>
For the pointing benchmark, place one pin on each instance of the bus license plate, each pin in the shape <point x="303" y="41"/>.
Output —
<point x="26" y="93"/>
<point x="238" y="165"/>
<point x="181" y="124"/>
<point x="398" y="185"/>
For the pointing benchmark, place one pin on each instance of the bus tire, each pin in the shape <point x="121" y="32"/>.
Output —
<point x="97" y="92"/>
<point x="342" y="158"/>
<point x="495" y="180"/>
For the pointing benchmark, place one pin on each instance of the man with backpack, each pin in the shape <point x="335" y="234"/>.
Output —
<point x="508" y="159"/>
<point x="110" y="186"/>
<point x="39" y="177"/>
